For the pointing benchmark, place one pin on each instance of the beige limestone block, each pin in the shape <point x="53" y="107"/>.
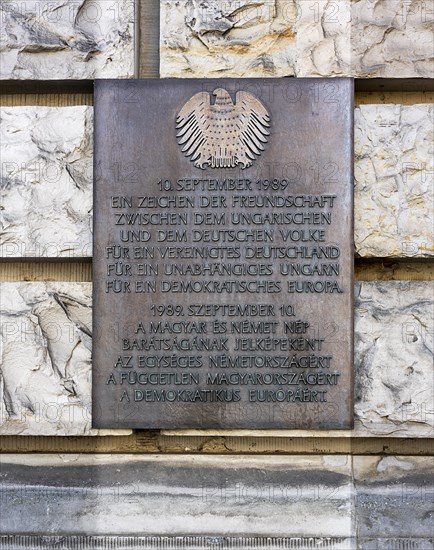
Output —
<point x="392" y="39"/>
<point x="394" y="175"/>
<point x="216" y="38"/>
<point x="305" y="38"/>
<point x="323" y="38"/>
<point x="394" y="374"/>
<point x="60" y="39"/>
<point x="46" y="342"/>
<point x="46" y="176"/>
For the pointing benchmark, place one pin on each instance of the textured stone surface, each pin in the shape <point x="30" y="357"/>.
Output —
<point x="46" y="182"/>
<point x="323" y="31"/>
<point x="393" y="501"/>
<point x="394" y="170"/>
<point x="392" y="39"/>
<point x="254" y="38"/>
<point x="215" y="38"/>
<point x="46" y="385"/>
<point x="361" y="38"/>
<point x="57" y="40"/>
<point x="45" y="379"/>
<point x="394" y="392"/>
<point x="216" y="495"/>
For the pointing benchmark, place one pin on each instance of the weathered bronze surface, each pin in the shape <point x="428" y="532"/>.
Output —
<point x="223" y="254"/>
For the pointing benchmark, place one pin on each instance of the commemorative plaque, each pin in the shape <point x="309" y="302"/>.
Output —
<point x="223" y="254"/>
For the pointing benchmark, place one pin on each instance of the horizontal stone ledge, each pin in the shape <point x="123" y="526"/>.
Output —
<point x="46" y="362"/>
<point x="301" y="38"/>
<point x="259" y="433"/>
<point x="336" y="501"/>
<point x="71" y="542"/>
<point x="47" y="172"/>
<point x="291" y="496"/>
<point x="60" y="40"/>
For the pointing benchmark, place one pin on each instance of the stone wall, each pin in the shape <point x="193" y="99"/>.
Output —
<point x="95" y="39"/>
<point x="373" y="492"/>
<point x="46" y="387"/>
<point x="47" y="181"/>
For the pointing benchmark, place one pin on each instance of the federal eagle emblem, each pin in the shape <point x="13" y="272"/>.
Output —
<point x="222" y="135"/>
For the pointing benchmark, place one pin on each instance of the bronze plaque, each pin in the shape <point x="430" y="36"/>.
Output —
<point x="223" y="254"/>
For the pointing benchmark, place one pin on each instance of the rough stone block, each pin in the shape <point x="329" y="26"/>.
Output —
<point x="272" y="496"/>
<point x="393" y="502"/>
<point x="46" y="339"/>
<point x="360" y="38"/>
<point x="323" y="38"/>
<point x="254" y="38"/>
<point x="394" y="191"/>
<point x="394" y="393"/>
<point x="46" y="182"/>
<point x="217" y="39"/>
<point x="392" y="39"/>
<point x="60" y="40"/>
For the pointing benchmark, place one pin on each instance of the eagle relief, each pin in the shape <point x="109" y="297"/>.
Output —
<point x="223" y="134"/>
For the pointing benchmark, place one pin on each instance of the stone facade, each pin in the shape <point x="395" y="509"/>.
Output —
<point x="392" y="39"/>
<point x="95" y="39"/>
<point x="47" y="172"/>
<point x="59" y="39"/>
<point x="46" y="359"/>
<point x="393" y="502"/>
<point x="46" y="182"/>
<point x="174" y="499"/>
<point x="254" y="39"/>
